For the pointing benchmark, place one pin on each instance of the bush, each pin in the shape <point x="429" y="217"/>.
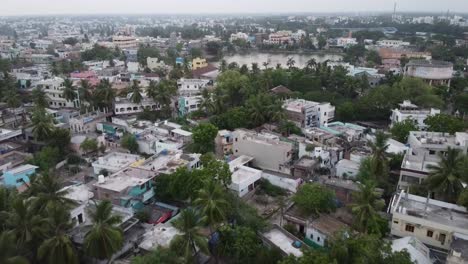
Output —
<point x="269" y="189"/>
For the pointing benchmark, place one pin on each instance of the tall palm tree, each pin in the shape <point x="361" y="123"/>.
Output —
<point x="255" y="68"/>
<point x="367" y="204"/>
<point x="42" y="124"/>
<point x="85" y="91"/>
<point x="136" y="96"/>
<point x="189" y="224"/>
<point x="26" y="225"/>
<point x="58" y="247"/>
<point x="265" y="64"/>
<point x="290" y="62"/>
<point x="104" y="94"/>
<point x="39" y="98"/>
<point x="213" y="204"/>
<point x="106" y="237"/>
<point x="207" y="102"/>
<point x="12" y="98"/>
<point x="69" y="92"/>
<point x="311" y="64"/>
<point x="46" y="190"/>
<point x="446" y="177"/>
<point x="379" y="162"/>
<point x="9" y="251"/>
<point x="152" y="89"/>
<point x="165" y="91"/>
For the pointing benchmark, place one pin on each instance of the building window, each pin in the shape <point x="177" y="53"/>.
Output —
<point x="311" y="236"/>
<point x="409" y="228"/>
<point x="432" y="152"/>
<point x="430" y="233"/>
<point x="318" y="239"/>
<point x="395" y="222"/>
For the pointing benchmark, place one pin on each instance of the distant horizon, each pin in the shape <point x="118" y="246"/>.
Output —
<point x="355" y="13"/>
<point x="222" y="7"/>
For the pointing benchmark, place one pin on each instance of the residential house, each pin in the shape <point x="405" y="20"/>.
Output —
<point x="114" y="161"/>
<point x="307" y="114"/>
<point x="433" y="222"/>
<point x="19" y="176"/>
<point x="409" y="111"/>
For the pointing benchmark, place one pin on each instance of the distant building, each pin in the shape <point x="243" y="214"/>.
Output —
<point x="125" y="42"/>
<point x="346" y="42"/>
<point x="124" y="106"/>
<point x="238" y="36"/>
<point x="154" y="63"/>
<point x="243" y="178"/>
<point x="53" y="89"/>
<point x="392" y="43"/>
<point x="199" y="63"/>
<point x="307" y="114"/>
<point x="409" y="111"/>
<point x="188" y="87"/>
<point x="431" y="71"/>
<point x="189" y="104"/>
<point x="223" y="142"/>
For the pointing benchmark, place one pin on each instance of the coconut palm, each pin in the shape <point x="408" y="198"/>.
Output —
<point x="255" y="68"/>
<point x="152" y="89"/>
<point x="9" y="251"/>
<point x="104" y="94"/>
<point x="446" y="177"/>
<point x="42" y="124"/>
<point x="46" y="190"/>
<point x="68" y="92"/>
<point x="379" y="162"/>
<point x="58" y="247"/>
<point x="84" y="91"/>
<point x="27" y="226"/>
<point x="190" y="239"/>
<point x="265" y="64"/>
<point x="367" y="204"/>
<point x="40" y="98"/>
<point x="165" y="91"/>
<point x="207" y="102"/>
<point x="105" y="237"/>
<point x="136" y="96"/>
<point x="12" y="98"/>
<point x="290" y="63"/>
<point x="213" y="204"/>
<point x="311" y="64"/>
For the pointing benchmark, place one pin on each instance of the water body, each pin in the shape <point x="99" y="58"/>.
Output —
<point x="274" y="58"/>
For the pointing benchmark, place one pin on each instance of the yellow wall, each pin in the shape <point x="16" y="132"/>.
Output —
<point x="198" y="63"/>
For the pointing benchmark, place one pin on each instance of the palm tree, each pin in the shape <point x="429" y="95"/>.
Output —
<point x="27" y="226"/>
<point x="212" y="202"/>
<point x="265" y="64"/>
<point x="255" y="69"/>
<point x="9" y="251"/>
<point x="446" y="177"/>
<point x="367" y="204"/>
<point x="46" y="190"/>
<point x="84" y="91"/>
<point x="136" y="96"/>
<point x="42" y="124"/>
<point x="165" y="91"/>
<point x="189" y="224"/>
<point x="69" y="92"/>
<point x="311" y="64"/>
<point x="152" y="89"/>
<point x="290" y="62"/>
<point x="106" y="237"/>
<point x="379" y="167"/>
<point x="58" y="247"/>
<point x="207" y="102"/>
<point x="104" y="94"/>
<point x="223" y="66"/>
<point x="12" y="98"/>
<point x="40" y="98"/>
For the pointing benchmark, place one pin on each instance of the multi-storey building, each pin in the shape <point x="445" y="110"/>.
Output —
<point x="431" y="71"/>
<point x="125" y="42"/>
<point x="433" y="222"/>
<point x="407" y="110"/>
<point x="268" y="150"/>
<point x="189" y="104"/>
<point x="187" y="87"/>
<point x="307" y="114"/>
<point x="124" y="106"/>
<point x="425" y="150"/>
<point x="53" y="89"/>
<point x="114" y="162"/>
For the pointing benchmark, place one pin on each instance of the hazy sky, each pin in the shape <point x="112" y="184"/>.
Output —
<point x="44" y="7"/>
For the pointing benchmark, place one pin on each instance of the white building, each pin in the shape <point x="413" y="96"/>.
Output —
<point x="87" y="123"/>
<point x="243" y="178"/>
<point x="80" y="194"/>
<point x="346" y="42"/>
<point x="238" y="36"/>
<point x="307" y="114"/>
<point x="347" y="169"/>
<point x="155" y="63"/>
<point x="6" y="134"/>
<point x="53" y="89"/>
<point x="431" y="221"/>
<point x="114" y="162"/>
<point x="189" y="104"/>
<point x="124" y="106"/>
<point x="268" y="151"/>
<point x="299" y="35"/>
<point x="425" y="148"/>
<point x="392" y="43"/>
<point x="125" y="42"/>
<point x="188" y="87"/>
<point x="419" y="253"/>
<point x="279" y="38"/>
<point x="407" y="110"/>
